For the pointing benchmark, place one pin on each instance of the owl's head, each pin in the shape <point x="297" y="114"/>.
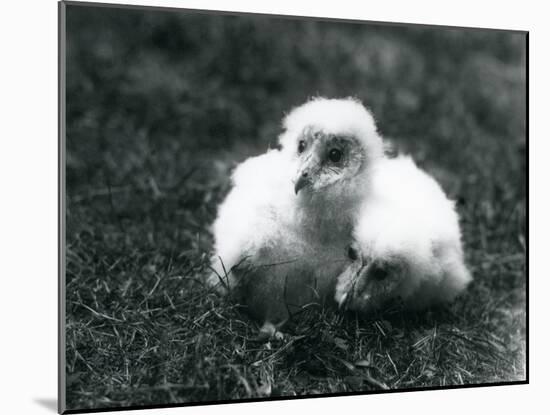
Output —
<point x="370" y="282"/>
<point x="331" y="141"/>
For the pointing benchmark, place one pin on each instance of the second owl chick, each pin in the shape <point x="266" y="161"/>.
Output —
<point x="407" y="243"/>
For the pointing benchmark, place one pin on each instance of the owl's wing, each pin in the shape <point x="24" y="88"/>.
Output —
<point x="250" y="213"/>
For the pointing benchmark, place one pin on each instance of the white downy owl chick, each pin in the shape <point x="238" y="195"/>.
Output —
<point x="282" y="232"/>
<point x="407" y="243"/>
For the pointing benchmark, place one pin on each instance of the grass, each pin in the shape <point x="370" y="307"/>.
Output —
<point x="161" y="106"/>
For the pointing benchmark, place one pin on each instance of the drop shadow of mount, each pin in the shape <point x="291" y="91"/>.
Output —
<point x="48" y="403"/>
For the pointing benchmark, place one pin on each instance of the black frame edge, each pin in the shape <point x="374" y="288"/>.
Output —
<point x="291" y="398"/>
<point x="61" y="105"/>
<point x="283" y="16"/>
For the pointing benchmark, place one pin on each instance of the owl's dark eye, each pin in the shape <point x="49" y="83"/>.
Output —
<point x="335" y="155"/>
<point x="301" y="146"/>
<point x="352" y="253"/>
<point x="379" y="273"/>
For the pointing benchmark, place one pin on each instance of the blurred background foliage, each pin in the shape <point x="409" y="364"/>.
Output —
<point x="161" y="106"/>
<point x="142" y="81"/>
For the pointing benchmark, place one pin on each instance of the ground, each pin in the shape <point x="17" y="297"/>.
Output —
<point x="160" y="108"/>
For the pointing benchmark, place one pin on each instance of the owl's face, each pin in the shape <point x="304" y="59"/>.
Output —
<point x="369" y="283"/>
<point x="325" y="159"/>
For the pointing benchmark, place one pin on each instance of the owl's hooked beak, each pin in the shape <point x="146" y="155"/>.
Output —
<point x="310" y="165"/>
<point x="304" y="179"/>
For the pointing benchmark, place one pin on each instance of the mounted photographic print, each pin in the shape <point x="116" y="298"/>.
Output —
<point x="259" y="207"/>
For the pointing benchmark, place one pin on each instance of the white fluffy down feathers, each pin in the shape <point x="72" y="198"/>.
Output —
<point x="406" y="217"/>
<point x="274" y="247"/>
<point x="342" y="116"/>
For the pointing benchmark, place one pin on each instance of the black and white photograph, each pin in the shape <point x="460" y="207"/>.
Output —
<point x="263" y="207"/>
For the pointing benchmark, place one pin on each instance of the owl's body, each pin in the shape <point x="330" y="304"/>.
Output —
<point x="409" y="228"/>
<point x="283" y="233"/>
<point x="270" y="254"/>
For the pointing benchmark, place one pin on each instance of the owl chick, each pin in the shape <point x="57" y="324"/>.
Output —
<point x="407" y="243"/>
<point x="281" y="233"/>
